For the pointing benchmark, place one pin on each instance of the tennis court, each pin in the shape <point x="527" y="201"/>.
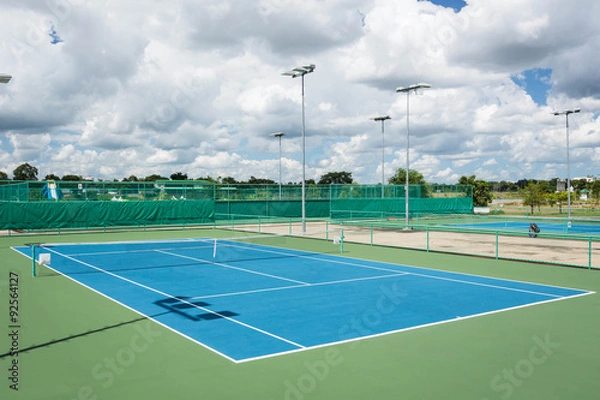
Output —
<point x="580" y="228"/>
<point x="251" y="298"/>
<point x="152" y="315"/>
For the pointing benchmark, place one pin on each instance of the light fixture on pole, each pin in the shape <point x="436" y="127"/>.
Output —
<point x="566" y="114"/>
<point x="294" y="73"/>
<point x="279" y="135"/>
<point x="382" y="119"/>
<point x="4" y="78"/>
<point x="407" y="90"/>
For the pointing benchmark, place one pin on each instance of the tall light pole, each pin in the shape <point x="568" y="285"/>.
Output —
<point x="407" y="90"/>
<point x="566" y="114"/>
<point x="279" y="135"/>
<point x="294" y="73"/>
<point x="382" y="119"/>
<point x="4" y="78"/>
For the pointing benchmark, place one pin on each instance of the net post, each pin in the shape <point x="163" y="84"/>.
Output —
<point x="33" y="266"/>
<point x="342" y="241"/>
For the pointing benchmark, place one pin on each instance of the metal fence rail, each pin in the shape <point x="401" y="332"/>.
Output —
<point x="552" y="248"/>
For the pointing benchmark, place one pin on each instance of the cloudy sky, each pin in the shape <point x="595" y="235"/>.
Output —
<point x="111" y="88"/>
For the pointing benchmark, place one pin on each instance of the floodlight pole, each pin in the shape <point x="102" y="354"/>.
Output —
<point x="294" y="73"/>
<point x="279" y="135"/>
<point x="407" y="90"/>
<point x="566" y="114"/>
<point x="382" y="119"/>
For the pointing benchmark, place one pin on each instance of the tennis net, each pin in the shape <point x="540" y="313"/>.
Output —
<point x="86" y="258"/>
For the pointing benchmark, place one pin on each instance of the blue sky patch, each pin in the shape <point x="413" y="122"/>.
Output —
<point x="456" y="5"/>
<point x="536" y="82"/>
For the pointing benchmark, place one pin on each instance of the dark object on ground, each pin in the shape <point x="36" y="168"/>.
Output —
<point x="533" y="230"/>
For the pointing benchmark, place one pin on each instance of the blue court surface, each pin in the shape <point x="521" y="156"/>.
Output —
<point x="577" y="228"/>
<point x="249" y="301"/>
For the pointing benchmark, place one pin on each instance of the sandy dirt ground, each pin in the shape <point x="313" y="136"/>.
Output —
<point x="562" y="251"/>
<point x="557" y="251"/>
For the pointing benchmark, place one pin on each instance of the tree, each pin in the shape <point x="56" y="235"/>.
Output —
<point x="339" y="178"/>
<point x="260" y="181"/>
<point x="414" y="177"/>
<point x="579" y="184"/>
<point x="558" y="198"/>
<point x="73" y="178"/>
<point x="522" y="183"/>
<point x="502" y="186"/>
<point x="3" y="176"/>
<point x="132" y="178"/>
<point x="229" y="180"/>
<point x="25" y="172"/>
<point x="52" y="177"/>
<point x="481" y="190"/>
<point x="211" y="179"/>
<point x="595" y="189"/>
<point x="179" y="176"/>
<point x="154" y="178"/>
<point x="533" y="195"/>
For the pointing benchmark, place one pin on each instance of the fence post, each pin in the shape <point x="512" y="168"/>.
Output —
<point x="589" y="252"/>
<point x="496" y="245"/>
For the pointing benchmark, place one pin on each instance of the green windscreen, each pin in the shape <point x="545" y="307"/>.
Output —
<point x="52" y="215"/>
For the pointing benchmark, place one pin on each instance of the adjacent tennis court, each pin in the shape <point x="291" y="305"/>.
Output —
<point x="576" y="228"/>
<point x="253" y="298"/>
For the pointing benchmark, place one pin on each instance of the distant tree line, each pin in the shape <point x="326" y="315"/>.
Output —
<point x="27" y="172"/>
<point x="535" y="193"/>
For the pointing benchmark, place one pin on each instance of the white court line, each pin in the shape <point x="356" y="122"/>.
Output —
<point x="134" y="310"/>
<point x="410" y="328"/>
<point x="328" y="259"/>
<point x="115" y="252"/>
<point x="210" y="240"/>
<point x="176" y="298"/>
<point x="232" y="267"/>
<point x="304" y="348"/>
<point x="210" y="296"/>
